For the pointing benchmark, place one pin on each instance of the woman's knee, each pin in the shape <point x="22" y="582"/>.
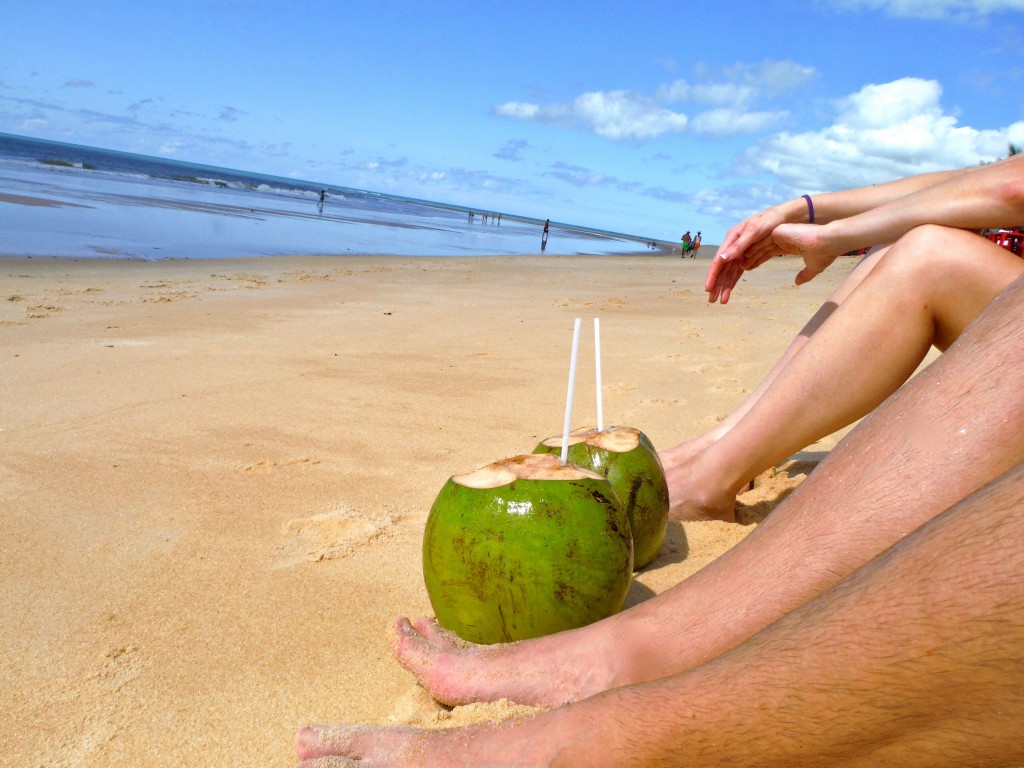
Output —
<point x="932" y="251"/>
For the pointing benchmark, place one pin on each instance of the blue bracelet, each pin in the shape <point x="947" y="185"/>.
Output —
<point x="810" y="208"/>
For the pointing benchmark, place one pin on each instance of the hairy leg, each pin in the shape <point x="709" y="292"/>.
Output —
<point x="923" y="291"/>
<point x="951" y="429"/>
<point x="915" y="659"/>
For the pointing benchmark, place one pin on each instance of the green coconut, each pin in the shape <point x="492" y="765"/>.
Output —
<point x="627" y="458"/>
<point x="526" y="547"/>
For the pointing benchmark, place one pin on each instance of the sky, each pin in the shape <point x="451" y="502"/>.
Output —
<point x="646" y="118"/>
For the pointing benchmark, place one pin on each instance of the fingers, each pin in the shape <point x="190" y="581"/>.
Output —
<point x="761" y="252"/>
<point x="814" y="265"/>
<point x="727" y="277"/>
<point x="714" y="269"/>
<point x="746" y="246"/>
<point x="805" y="275"/>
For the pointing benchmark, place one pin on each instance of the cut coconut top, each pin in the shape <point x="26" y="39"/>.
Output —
<point x="530" y="466"/>
<point x="614" y="439"/>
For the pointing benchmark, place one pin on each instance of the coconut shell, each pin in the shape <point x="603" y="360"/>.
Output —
<point x="526" y="547"/>
<point x="628" y="459"/>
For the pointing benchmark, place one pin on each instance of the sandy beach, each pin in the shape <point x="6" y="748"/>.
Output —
<point x="215" y="474"/>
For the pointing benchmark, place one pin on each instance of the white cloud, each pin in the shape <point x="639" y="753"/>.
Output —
<point x="933" y="9"/>
<point x="33" y="124"/>
<point x="631" y="116"/>
<point x="624" y="115"/>
<point x="739" y="85"/>
<point x="171" y="147"/>
<point x="882" y="132"/>
<point x="724" y="94"/>
<point x="617" y="115"/>
<point x="725" y="122"/>
<point x="518" y="110"/>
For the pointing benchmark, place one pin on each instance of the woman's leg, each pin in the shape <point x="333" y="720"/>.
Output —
<point x="855" y="353"/>
<point x="683" y="452"/>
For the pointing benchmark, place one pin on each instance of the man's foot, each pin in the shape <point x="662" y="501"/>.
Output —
<point x="524" y="743"/>
<point x="539" y="672"/>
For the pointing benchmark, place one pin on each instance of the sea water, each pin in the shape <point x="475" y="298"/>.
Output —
<point x="61" y="199"/>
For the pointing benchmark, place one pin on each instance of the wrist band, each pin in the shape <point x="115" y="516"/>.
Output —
<point x="810" y="209"/>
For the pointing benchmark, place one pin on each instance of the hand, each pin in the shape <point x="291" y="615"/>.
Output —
<point x="746" y="246"/>
<point x="808" y="241"/>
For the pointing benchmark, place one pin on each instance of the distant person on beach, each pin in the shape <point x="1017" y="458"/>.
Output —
<point x="544" y="236"/>
<point x="684" y="245"/>
<point x="888" y="582"/>
<point x="323" y="196"/>
<point x="695" y="246"/>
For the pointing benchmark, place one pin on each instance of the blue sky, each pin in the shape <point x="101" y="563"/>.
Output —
<point x="646" y="117"/>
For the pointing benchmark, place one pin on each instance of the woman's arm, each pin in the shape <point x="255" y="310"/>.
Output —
<point x="986" y="197"/>
<point x="869" y="216"/>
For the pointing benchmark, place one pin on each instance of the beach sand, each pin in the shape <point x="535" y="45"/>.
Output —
<point x="215" y="474"/>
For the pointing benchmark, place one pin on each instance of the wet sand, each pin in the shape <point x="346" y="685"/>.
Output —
<point x="215" y="474"/>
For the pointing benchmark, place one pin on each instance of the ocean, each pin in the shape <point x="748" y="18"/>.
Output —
<point x="67" y="200"/>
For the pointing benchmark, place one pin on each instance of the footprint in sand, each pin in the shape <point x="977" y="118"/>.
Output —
<point x="731" y="387"/>
<point x="42" y="310"/>
<point x="304" y="276"/>
<point x="668" y="401"/>
<point x="167" y="296"/>
<point x="333" y="535"/>
<point x="85" y="739"/>
<point x="119" y="666"/>
<point x="267" y="464"/>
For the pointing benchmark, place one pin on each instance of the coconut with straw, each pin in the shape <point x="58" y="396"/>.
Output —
<point x="536" y="544"/>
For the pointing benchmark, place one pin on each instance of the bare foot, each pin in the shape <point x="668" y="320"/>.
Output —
<point x="691" y="496"/>
<point x="547" y="671"/>
<point x="682" y="453"/>
<point x="524" y="743"/>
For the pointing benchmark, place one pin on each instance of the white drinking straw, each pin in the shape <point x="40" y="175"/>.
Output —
<point x="597" y="367"/>
<point x="568" y="395"/>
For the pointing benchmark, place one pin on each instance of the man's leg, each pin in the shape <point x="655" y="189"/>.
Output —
<point x="923" y="291"/>
<point x="916" y="659"/>
<point x="944" y="434"/>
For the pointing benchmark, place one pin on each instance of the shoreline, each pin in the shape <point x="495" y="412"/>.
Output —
<point x="216" y="471"/>
<point x="130" y="213"/>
